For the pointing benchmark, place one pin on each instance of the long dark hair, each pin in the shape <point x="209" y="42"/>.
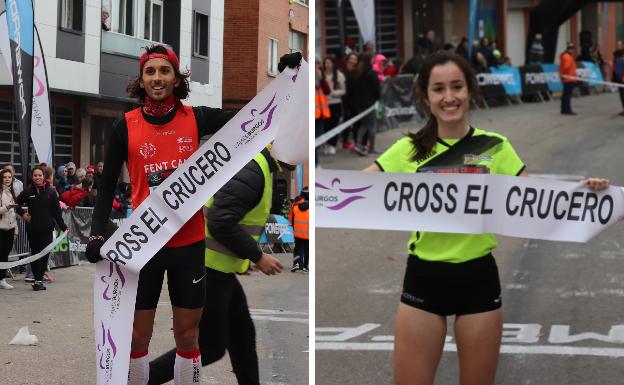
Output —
<point x="4" y="171"/>
<point x="181" y="91"/>
<point x="425" y="139"/>
<point x="334" y="69"/>
<point x="363" y="66"/>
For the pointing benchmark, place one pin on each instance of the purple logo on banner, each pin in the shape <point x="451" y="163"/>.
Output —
<point x="270" y="107"/>
<point x="107" y="350"/>
<point x="115" y="283"/>
<point x="341" y="203"/>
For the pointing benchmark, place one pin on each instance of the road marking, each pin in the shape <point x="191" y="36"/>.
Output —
<point x="506" y="349"/>
<point x="279" y="319"/>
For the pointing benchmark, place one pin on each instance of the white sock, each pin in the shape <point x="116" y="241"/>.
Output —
<point x="138" y="372"/>
<point x="187" y="368"/>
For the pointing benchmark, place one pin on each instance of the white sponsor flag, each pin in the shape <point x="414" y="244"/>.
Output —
<point x="40" y="127"/>
<point x="167" y="208"/>
<point x="465" y="203"/>
<point x="364" y="11"/>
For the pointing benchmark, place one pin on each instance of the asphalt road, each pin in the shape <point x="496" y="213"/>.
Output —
<point x="563" y="313"/>
<point x="62" y="319"/>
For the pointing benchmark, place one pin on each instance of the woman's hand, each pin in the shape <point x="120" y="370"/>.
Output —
<point x="596" y="184"/>
<point x="373" y="167"/>
<point x="26" y="217"/>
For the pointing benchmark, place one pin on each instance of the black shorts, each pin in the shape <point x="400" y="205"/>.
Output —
<point x="185" y="277"/>
<point x="452" y="288"/>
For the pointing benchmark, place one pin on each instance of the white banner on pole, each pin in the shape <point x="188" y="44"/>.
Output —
<point x="465" y="203"/>
<point x="364" y="11"/>
<point x="40" y="126"/>
<point x="168" y="207"/>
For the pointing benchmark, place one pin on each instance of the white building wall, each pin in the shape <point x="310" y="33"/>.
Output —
<point x="205" y="94"/>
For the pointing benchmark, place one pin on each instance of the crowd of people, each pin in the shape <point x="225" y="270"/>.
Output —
<point x="346" y="85"/>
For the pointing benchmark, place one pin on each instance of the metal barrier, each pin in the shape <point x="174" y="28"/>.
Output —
<point x="20" y="245"/>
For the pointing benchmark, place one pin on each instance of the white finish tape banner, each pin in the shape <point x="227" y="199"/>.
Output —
<point x="34" y="257"/>
<point x="465" y="203"/>
<point x="168" y="207"/>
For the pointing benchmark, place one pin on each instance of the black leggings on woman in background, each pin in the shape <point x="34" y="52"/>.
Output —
<point x="6" y="244"/>
<point x="38" y="240"/>
<point x="331" y="123"/>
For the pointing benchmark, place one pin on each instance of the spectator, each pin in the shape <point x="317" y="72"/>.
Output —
<point x="598" y="60"/>
<point x="351" y="62"/>
<point x="486" y="50"/>
<point x="97" y="177"/>
<point x="567" y="66"/>
<point x="90" y="170"/>
<point x="321" y="106"/>
<point x="73" y="197"/>
<point x="81" y="173"/>
<point x="379" y="64"/>
<point x="448" y="47"/>
<point x="299" y="218"/>
<point x="18" y="186"/>
<point x="350" y="46"/>
<point x="89" y="200"/>
<point x="413" y="64"/>
<point x="393" y="68"/>
<point x="363" y="90"/>
<point x="536" y="52"/>
<point x="43" y="210"/>
<point x="618" y="70"/>
<point x="105" y="17"/>
<point x="48" y="177"/>
<point x="8" y="222"/>
<point x="61" y="180"/>
<point x="337" y="84"/>
<point x="72" y="178"/>
<point x="497" y="54"/>
<point x="428" y="45"/>
<point x="462" y="48"/>
<point x="479" y="62"/>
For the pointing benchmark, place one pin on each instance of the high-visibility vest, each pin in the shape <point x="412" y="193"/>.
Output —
<point x="301" y="223"/>
<point x="322" y="106"/>
<point x="220" y="258"/>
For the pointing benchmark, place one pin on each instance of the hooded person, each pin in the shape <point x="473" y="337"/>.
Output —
<point x="153" y="140"/>
<point x="379" y="64"/>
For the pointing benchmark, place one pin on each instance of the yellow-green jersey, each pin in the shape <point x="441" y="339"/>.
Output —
<point x="479" y="152"/>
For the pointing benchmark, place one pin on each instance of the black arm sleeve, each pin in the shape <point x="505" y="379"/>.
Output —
<point x="241" y="194"/>
<point x="374" y="83"/>
<point x="55" y="209"/>
<point x="21" y="198"/>
<point x="116" y="155"/>
<point x="210" y="120"/>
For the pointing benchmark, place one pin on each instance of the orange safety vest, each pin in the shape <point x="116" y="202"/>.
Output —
<point x="301" y="223"/>
<point x="322" y="107"/>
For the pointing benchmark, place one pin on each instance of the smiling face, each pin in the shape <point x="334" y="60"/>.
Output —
<point x="7" y="178"/>
<point x="329" y="65"/>
<point x="158" y="79"/>
<point x="37" y="177"/>
<point x="447" y="93"/>
<point x="352" y="61"/>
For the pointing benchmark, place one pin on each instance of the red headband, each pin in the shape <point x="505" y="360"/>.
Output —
<point x="171" y="57"/>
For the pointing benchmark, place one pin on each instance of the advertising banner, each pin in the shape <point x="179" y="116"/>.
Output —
<point x="534" y="80"/>
<point x="397" y="96"/>
<point x="552" y="77"/>
<point x="508" y="77"/>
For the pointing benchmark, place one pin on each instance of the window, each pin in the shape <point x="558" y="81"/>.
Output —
<point x="273" y="56"/>
<point x="119" y="16"/>
<point x="153" y="20"/>
<point x="296" y="42"/>
<point x="71" y="15"/>
<point x="200" y="35"/>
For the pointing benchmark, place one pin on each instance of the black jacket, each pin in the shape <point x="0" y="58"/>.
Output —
<point x="363" y="92"/>
<point x="235" y="199"/>
<point x="43" y="207"/>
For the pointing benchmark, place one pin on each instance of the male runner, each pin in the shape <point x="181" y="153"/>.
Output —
<point x="154" y="140"/>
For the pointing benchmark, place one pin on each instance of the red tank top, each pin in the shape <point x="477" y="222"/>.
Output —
<point x="154" y="152"/>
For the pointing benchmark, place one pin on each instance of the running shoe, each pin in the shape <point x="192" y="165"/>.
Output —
<point x="305" y="270"/>
<point x="331" y="150"/>
<point x="48" y="277"/>
<point x="5" y="285"/>
<point x="38" y="285"/>
<point x="29" y="277"/>
<point x="347" y="145"/>
<point x="295" y="268"/>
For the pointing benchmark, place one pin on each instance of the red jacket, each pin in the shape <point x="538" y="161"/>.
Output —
<point x="74" y="196"/>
